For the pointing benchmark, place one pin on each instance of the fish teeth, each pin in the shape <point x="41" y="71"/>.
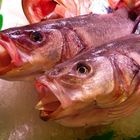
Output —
<point x="41" y="103"/>
<point x="39" y="106"/>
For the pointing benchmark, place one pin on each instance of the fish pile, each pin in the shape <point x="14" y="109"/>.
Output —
<point x="86" y="66"/>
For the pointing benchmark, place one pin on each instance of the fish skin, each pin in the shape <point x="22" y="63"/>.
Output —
<point x="62" y="39"/>
<point x="108" y="90"/>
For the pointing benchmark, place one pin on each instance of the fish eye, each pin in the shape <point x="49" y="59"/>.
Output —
<point x="36" y="36"/>
<point x="82" y="68"/>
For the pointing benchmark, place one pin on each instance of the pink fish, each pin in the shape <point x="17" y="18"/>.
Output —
<point x="30" y="50"/>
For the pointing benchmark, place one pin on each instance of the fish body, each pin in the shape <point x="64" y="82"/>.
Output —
<point x="95" y="87"/>
<point x="35" y="48"/>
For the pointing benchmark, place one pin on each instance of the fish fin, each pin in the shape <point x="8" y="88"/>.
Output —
<point x="126" y="108"/>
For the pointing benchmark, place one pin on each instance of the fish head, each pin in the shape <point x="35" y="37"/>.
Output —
<point x="85" y="77"/>
<point x="29" y="50"/>
<point x="78" y="86"/>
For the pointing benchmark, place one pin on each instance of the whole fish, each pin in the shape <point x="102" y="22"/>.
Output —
<point x="32" y="49"/>
<point x="95" y="87"/>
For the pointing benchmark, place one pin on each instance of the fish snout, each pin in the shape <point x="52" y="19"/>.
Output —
<point x="8" y="54"/>
<point x="3" y="50"/>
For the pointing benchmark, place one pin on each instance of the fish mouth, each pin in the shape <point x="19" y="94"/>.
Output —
<point x="9" y="56"/>
<point x="49" y="104"/>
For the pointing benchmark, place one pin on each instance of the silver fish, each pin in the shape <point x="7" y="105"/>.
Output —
<point x="95" y="87"/>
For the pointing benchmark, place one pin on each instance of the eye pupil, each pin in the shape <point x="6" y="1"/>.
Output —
<point x="36" y="36"/>
<point x="82" y="68"/>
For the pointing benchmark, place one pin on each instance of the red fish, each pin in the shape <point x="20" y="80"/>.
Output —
<point x="30" y="50"/>
<point x="95" y="87"/>
<point x="36" y="10"/>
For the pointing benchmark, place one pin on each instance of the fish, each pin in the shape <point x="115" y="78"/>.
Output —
<point x="95" y="87"/>
<point x="35" y="11"/>
<point x="31" y="50"/>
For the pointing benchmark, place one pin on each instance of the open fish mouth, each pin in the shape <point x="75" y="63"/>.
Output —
<point x="48" y="104"/>
<point x="9" y="56"/>
<point x="55" y="102"/>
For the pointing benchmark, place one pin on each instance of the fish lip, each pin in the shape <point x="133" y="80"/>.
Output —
<point x="41" y="84"/>
<point x="12" y="52"/>
<point x="54" y="85"/>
